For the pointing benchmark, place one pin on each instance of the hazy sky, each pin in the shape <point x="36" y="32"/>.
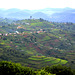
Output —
<point x="36" y="4"/>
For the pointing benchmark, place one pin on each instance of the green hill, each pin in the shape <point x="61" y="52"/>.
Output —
<point x="37" y="43"/>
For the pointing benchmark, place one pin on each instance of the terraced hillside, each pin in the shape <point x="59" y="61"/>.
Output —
<point x="42" y="61"/>
<point x="38" y="43"/>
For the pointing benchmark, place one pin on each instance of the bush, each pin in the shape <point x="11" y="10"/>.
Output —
<point x="9" y="68"/>
<point x="43" y="72"/>
<point x="59" y="70"/>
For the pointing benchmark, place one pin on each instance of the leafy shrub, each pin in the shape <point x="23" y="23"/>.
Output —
<point x="9" y="68"/>
<point x="59" y="70"/>
<point x="43" y="72"/>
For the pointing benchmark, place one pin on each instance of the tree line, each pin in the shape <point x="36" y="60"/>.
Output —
<point x="10" y="68"/>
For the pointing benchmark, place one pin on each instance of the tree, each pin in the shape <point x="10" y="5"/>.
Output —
<point x="72" y="62"/>
<point x="41" y="19"/>
<point x="30" y="17"/>
<point x="59" y="70"/>
<point x="4" y="38"/>
<point x="9" y="68"/>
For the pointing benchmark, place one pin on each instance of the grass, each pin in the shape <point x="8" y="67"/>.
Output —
<point x="29" y="52"/>
<point x="43" y="60"/>
<point x="7" y="46"/>
<point x="36" y="59"/>
<point x="39" y="56"/>
<point x="63" y="61"/>
<point x="46" y="38"/>
<point x="55" y="61"/>
<point x="49" y="59"/>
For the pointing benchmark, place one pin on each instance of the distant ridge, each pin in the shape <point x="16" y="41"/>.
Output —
<point x="51" y="14"/>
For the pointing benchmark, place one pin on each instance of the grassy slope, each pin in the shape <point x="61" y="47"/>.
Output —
<point x="56" y="44"/>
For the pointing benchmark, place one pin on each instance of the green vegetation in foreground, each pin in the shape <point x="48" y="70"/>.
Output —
<point x="10" y="68"/>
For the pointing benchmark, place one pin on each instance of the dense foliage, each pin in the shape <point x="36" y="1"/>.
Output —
<point x="14" y="69"/>
<point x="10" y="68"/>
<point x="59" y="70"/>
